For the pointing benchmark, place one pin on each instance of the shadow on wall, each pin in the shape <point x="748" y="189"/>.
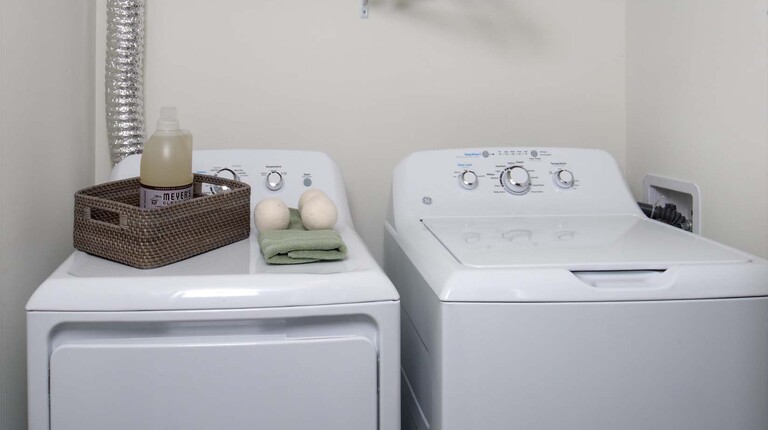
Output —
<point x="497" y="22"/>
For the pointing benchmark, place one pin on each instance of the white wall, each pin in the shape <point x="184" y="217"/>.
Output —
<point x="418" y="74"/>
<point x="46" y="154"/>
<point x="697" y="108"/>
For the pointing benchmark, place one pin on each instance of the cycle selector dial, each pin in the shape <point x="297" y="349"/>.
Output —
<point x="468" y="180"/>
<point x="564" y="179"/>
<point x="274" y="181"/>
<point x="516" y="180"/>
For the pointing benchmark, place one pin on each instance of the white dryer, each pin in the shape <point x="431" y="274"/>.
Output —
<point x="221" y="340"/>
<point x="537" y="296"/>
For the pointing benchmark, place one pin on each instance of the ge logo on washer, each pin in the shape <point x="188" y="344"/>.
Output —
<point x="427" y="200"/>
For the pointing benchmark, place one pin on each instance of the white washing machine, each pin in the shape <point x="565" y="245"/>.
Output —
<point x="536" y="295"/>
<point x="221" y="340"/>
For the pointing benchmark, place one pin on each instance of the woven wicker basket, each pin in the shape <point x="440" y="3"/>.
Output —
<point x="109" y="222"/>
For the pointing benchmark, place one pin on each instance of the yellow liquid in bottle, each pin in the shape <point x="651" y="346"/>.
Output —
<point x="166" y="168"/>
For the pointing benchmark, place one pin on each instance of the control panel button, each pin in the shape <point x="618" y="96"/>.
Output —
<point x="468" y="180"/>
<point x="274" y="181"/>
<point x="564" y="179"/>
<point x="516" y="180"/>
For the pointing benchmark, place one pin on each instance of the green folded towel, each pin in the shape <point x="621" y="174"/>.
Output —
<point x="297" y="245"/>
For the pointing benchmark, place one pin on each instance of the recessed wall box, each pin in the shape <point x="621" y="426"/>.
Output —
<point x="683" y="194"/>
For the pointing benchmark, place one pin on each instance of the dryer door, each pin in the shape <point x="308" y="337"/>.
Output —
<point x="233" y="384"/>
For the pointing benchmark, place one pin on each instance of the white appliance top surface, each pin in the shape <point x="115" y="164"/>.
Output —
<point x="240" y="258"/>
<point x="235" y="276"/>
<point x="577" y="243"/>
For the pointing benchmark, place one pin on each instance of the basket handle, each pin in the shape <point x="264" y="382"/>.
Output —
<point x="122" y="223"/>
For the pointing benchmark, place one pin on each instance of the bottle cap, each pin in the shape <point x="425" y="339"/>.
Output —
<point x="168" y="119"/>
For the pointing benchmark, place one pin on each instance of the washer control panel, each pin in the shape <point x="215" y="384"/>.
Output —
<point x="515" y="172"/>
<point x="510" y="181"/>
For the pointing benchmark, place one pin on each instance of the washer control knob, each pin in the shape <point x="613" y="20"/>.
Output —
<point x="564" y="179"/>
<point x="468" y="180"/>
<point x="274" y="181"/>
<point x="224" y="173"/>
<point x="516" y="180"/>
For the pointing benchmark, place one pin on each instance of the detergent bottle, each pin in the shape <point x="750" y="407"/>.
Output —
<point x="166" y="164"/>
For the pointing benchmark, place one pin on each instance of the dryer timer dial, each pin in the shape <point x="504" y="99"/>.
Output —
<point x="225" y="173"/>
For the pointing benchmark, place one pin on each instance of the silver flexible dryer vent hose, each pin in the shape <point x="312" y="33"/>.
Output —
<point x="125" y="78"/>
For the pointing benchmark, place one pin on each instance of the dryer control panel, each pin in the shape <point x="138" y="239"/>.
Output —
<point x="270" y="173"/>
<point x="267" y="177"/>
<point x="507" y="181"/>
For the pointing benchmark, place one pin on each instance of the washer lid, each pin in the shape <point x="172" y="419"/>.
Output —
<point x="576" y="243"/>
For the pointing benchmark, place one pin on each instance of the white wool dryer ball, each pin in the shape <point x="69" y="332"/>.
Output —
<point x="271" y="214"/>
<point x="319" y="213"/>
<point x="308" y="195"/>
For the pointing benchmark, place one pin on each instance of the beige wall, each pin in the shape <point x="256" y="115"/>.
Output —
<point x="697" y="108"/>
<point x="416" y="75"/>
<point x="46" y="154"/>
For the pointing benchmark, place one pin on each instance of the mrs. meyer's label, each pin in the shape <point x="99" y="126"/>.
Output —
<point x="158" y="197"/>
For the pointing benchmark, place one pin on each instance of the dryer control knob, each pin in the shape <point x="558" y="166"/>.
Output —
<point x="516" y="180"/>
<point x="468" y="180"/>
<point x="564" y="179"/>
<point x="274" y="181"/>
<point x="224" y="173"/>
